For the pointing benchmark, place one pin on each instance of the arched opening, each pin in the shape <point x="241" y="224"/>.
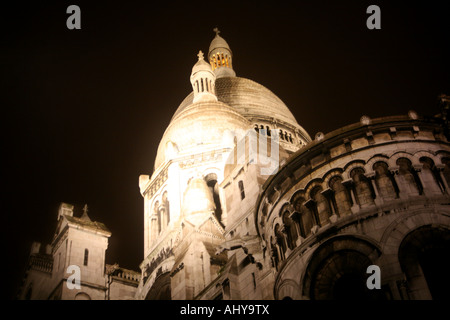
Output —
<point x="280" y="242"/>
<point x="363" y="189"/>
<point x="341" y="196"/>
<point x="82" y="296"/>
<point x="446" y="171"/>
<point x="290" y="229"/>
<point x="430" y="176"/>
<point x="322" y="206"/>
<point x="384" y="181"/>
<point x="161" y="289"/>
<point x="341" y="274"/>
<point x="158" y="217"/>
<point x="423" y="256"/>
<point x="165" y="207"/>
<point x="303" y="216"/>
<point x="408" y="177"/>
<point x="211" y="181"/>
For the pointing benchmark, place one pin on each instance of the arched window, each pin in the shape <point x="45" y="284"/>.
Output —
<point x="86" y="257"/>
<point x="157" y="218"/>
<point x="241" y="189"/>
<point x="291" y="230"/>
<point x="274" y="253"/>
<point x="165" y="207"/>
<point x="384" y="181"/>
<point x="341" y="196"/>
<point x="408" y="177"/>
<point x="430" y="176"/>
<point x="446" y="171"/>
<point x="211" y="181"/>
<point x="363" y="189"/>
<point x="322" y="206"/>
<point x="281" y="241"/>
<point x="303" y="216"/>
<point x="82" y="296"/>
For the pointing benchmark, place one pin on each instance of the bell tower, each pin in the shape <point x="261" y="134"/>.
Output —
<point x="221" y="57"/>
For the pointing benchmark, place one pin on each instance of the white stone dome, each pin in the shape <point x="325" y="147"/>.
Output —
<point x="199" y="127"/>
<point x="250" y="99"/>
<point x="218" y="43"/>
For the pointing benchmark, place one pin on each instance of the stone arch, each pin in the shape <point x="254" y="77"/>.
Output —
<point x="365" y="194"/>
<point x="339" y="265"/>
<point x="423" y="256"/>
<point x="341" y="196"/>
<point x="400" y="228"/>
<point x="290" y="229"/>
<point x="350" y="166"/>
<point x="330" y="175"/>
<point x="322" y="206"/>
<point x="298" y="193"/>
<point x="165" y="208"/>
<point x="409" y="181"/>
<point x="161" y="288"/>
<point x="374" y="159"/>
<point x="156" y="270"/>
<point x="82" y="296"/>
<point x="303" y="215"/>
<point x="280" y="241"/>
<point x="445" y="163"/>
<point x="384" y="181"/>
<point x="430" y="176"/>
<point x="312" y="184"/>
<point x="288" y="289"/>
<point x="401" y="154"/>
<point x="285" y="207"/>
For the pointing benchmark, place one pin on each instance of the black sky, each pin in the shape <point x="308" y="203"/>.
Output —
<point x="83" y="110"/>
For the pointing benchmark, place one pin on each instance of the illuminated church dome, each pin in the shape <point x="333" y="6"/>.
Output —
<point x="221" y="102"/>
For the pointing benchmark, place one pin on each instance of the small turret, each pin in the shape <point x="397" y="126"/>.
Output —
<point x="203" y="81"/>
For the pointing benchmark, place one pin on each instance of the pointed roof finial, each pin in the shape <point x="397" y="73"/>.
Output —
<point x="200" y="55"/>
<point x="85" y="213"/>
<point x="216" y="30"/>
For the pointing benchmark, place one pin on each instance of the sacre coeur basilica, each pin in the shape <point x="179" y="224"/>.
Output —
<point x="244" y="204"/>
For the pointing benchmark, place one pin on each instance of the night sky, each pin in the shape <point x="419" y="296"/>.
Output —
<point x="83" y="110"/>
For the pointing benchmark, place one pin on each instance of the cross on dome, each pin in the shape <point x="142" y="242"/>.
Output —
<point x="200" y="55"/>
<point x="216" y="30"/>
<point x="85" y="216"/>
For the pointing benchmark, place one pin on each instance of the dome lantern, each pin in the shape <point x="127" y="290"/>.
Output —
<point x="220" y="57"/>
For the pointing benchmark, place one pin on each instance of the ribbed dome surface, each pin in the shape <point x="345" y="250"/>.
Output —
<point x="249" y="98"/>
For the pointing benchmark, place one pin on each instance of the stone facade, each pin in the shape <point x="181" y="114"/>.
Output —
<point x="243" y="204"/>
<point x="80" y="243"/>
<point x="372" y="193"/>
<point x="217" y="226"/>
